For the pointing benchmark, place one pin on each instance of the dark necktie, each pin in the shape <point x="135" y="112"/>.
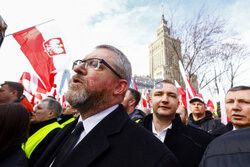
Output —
<point x="68" y="145"/>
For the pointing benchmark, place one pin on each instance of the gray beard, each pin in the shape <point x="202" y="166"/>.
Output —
<point x="86" y="100"/>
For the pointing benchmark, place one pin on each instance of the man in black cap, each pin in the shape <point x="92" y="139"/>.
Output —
<point x="201" y="118"/>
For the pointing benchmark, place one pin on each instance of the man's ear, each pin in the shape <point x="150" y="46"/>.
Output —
<point x="52" y="113"/>
<point x="131" y="102"/>
<point x="15" y="92"/>
<point x="120" y="87"/>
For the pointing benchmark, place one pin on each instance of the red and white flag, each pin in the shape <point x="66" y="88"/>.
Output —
<point x="189" y="87"/>
<point x="182" y="94"/>
<point x="44" y="48"/>
<point x="32" y="83"/>
<point x="133" y="84"/>
<point x="210" y="105"/>
<point x="33" y="87"/>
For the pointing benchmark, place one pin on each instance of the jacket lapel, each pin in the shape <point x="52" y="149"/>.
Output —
<point x="58" y="141"/>
<point x="97" y="141"/>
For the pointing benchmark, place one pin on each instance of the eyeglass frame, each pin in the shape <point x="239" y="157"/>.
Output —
<point x="101" y="61"/>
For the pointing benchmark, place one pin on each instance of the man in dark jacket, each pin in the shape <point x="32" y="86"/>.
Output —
<point x="43" y="128"/>
<point x="238" y="109"/>
<point x="231" y="149"/>
<point x="187" y="143"/>
<point x="130" y="101"/>
<point x="201" y="118"/>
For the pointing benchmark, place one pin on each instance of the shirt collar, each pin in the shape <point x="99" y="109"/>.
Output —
<point x="163" y="131"/>
<point x="92" y="121"/>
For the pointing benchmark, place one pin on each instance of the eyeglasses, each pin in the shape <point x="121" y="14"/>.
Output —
<point x="94" y="63"/>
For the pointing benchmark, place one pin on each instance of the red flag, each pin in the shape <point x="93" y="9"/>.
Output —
<point x="144" y="103"/>
<point x="200" y="95"/>
<point x="32" y="83"/>
<point x="182" y="94"/>
<point x="45" y="50"/>
<point x="32" y="87"/>
<point x="210" y="105"/>
<point x="31" y="42"/>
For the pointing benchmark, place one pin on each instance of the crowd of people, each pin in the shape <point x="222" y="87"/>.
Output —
<point x="102" y="125"/>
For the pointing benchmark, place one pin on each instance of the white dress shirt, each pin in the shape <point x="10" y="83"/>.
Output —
<point x="92" y="121"/>
<point x="161" y="136"/>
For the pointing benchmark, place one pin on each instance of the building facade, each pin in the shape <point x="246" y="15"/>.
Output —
<point x="164" y="55"/>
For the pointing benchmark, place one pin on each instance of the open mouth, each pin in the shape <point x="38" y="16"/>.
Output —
<point x="76" y="80"/>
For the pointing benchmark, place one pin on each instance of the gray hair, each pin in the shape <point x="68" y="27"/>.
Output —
<point x="121" y="62"/>
<point x="53" y="105"/>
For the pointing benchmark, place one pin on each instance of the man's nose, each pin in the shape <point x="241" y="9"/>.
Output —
<point x="164" y="99"/>
<point x="80" y="69"/>
<point x="236" y="106"/>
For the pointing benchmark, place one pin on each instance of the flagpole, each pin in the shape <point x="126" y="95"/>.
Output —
<point x="31" y="27"/>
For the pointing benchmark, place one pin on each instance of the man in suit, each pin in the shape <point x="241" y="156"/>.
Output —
<point x="186" y="142"/>
<point x="109" y="137"/>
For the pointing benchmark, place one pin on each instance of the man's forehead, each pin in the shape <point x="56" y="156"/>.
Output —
<point x="5" y="87"/>
<point x="165" y="87"/>
<point x="238" y="94"/>
<point x="101" y="53"/>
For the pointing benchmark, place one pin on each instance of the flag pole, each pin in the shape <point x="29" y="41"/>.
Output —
<point x="31" y="27"/>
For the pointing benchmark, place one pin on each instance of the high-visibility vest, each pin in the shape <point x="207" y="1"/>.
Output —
<point x="37" y="137"/>
<point x="67" y="122"/>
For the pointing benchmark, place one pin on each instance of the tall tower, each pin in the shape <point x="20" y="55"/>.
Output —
<point x="163" y="55"/>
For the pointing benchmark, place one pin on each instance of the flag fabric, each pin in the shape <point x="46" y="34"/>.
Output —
<point x="182" y="94"/>
<point x="62" y="101"/>
<point x="32" y="83"/>
<point x="33" y="87"/>
<point x="224" y="118"/>
<point x="189" y="87"/>
<point x="45" y="50"/>
<point x="187" y="100"/>
<point x="65" y="76"/>
<point x="133" y="84"/>
<point x="210" y="105"/>
<point x="144" y="99"/>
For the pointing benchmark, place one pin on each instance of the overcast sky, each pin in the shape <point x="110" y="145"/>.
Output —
<point x="129" y="25"/>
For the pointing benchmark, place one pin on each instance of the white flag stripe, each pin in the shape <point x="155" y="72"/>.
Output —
<point x="222" y="105"/>
<point x="184" y="76"/>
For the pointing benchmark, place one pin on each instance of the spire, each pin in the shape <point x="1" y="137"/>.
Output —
<point x="163" y="29"/>
<point x="162" y="10"/>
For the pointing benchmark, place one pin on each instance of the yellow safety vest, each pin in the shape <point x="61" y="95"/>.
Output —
<point x="37" y="137"/>
<point x="67" y="122"/>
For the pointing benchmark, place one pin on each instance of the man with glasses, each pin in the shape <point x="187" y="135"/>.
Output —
<point x="107" y="136"/>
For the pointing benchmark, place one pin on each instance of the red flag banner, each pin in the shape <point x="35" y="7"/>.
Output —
<point x="45" y="50"/>
<point x="32" y="83"/>
<point x="31" y="42"/>
<point x="210" y="105"/>
<point x="182" y="94"/>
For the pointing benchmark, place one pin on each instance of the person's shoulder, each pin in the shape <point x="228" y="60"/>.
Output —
<point x="140" y="131"/>
<point x="231" y="142"/>
<point x="197" y="134"/>
<point x="222" y="130"/>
